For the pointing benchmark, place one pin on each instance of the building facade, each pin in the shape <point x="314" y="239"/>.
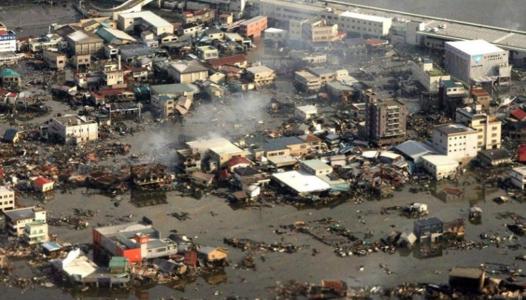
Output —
<point x="16" y="219"/>
<point x="488" y="127"/>
<point x="7" y="198"/>
<point x="367" y="25"/>
<point x="385" y="120"/>
<point x="72" y="129"/>
<point x="477" y="62"/>
<point x="456" y="141"/>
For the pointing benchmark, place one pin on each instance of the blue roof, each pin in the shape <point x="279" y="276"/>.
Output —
<point x="51" y="246"/>
<point x="7" y="72"/>
<point x="10" y="134"/>
<point x="281" y="143"/>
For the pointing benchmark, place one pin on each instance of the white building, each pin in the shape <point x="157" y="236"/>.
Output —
<point x="7" y="198"/>
<point x="72" y="129"/>
<point x="364" y="24"/>
<point x="288" y="10"/>
<point x="301" y="183"/>
<point x="7" y="41"/>
<point x="518" y="177"/>
<point x="488" y="127"/>
<point x="36" y="232"/>
<point x="428" y="75"/>
<point x="147" y="19"/>
<point x="315" y="167"/>
<point x="456" y="141"/>
<point x="275" y="34"/>
<point x="440" y="166"/>
<point x="478" y="61"/>
<point x="16" y="219"/>
<point x="306" y="112"/>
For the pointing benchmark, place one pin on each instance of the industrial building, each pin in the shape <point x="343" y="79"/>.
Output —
<point x="145" y="19"/>
<point x="477" y="61"/>
<point x="363" y="24"/>
<point x="254" y="27"/>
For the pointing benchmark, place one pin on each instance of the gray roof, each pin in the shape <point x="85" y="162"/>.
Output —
<point x="20" y="214"/>
<point x="174" y="89"/>
<point x="413" y="149"/>
<point x="281" y="143"/>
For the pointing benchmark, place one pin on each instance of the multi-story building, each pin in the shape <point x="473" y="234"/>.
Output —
<point x="7" y="39"/>
<point x="488" y="127"/>
<point x="452" y="95"/>
<point x="187" y="71"/>
<point x="306" y="81"/>
<point x="478" y="61"/>
<point x="114" y="75"/>
<point x="7" y="198"/>
<point x="313" y="30"/>
<point x="518" y="177"/>
<point x="456" y="141"/>
<point x="385" y="120"/>
<point x="428" y="75"/>
<point x="45" y="42"/>
<point x="84" y="43"/>
<point x="367" y="25"/>
<point x="165" y="97"/>
<point x="71" y="129"/>
<point x="253" y="28"/>
<point x="16" y="219"/>
<point x="134" y="241"/>
<point x="328" y="74"/>
<point x="285" y="11"/>
<point x="481" y="97"/>
<point x="261" y="75"/>
<point x="36" y="232"/>
<point x="55" y="59"/>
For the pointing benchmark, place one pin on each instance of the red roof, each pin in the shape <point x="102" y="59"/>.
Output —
<point x="227" y="60"/>
<point x="41" y="181"/>
<point x="237" y="160"/>
<point x="522" y="153"/>
<point x="518" y="114"/>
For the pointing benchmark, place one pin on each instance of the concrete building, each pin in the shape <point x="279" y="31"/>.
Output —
<point x="276" y="34"/>
<point x="315" y="167"/>
<point x="385" y="120"/>
<point x="452" y="95"/>
<point x="488" y="127"/>
<point x="429" y="76"/>
<point x="7" y="40"/>
<point x="55" y="59"/>
<point x="261" y="75"/>
<point x="305" y="112"/>
<point x="440" y="166"/>
<point x="146" y="20"/>
<point x="71" y="129"/>
<point x="10" y="78"/>
<point x="456" y="141"/>
<point x="36" y="232"/>
<point x="216" y="150"/>
<point x="254" y="27"/>
<point x="477" y="61"/>
<point x="307" y="82"/>
<point x="45" y="42"/>
<point x="481" y="97"/>
<point x="207" y="52"/>
<point x="166" y="98"/>
<point x="184" y="71"/>
<point x="328" y="74"/>
<point x="300" y="183"/>
<point x="84" y="43"/>
<point x="7" y="198"/>
<point x="134" y="241"/>
<point x="114" y="75"/>
<point x="288" y="10"/>
<point x="518" y="177"/>
<point x="365" y="25"/>
<point x="313" y="30"/>
<point x="16" y="219"/>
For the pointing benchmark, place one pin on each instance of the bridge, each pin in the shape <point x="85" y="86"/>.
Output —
<point x="88" y="8"/>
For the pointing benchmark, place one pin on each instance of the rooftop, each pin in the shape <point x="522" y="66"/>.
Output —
<point x="454" y="129"/>
<point x="281" y="143"/>
<point x="20" y="213"/>
<point x="349" y="14"/>
<point x="301" y="182"/>
<point x="316" y="164"/>
<point x="440" y="160"/>
<point x="259" y="69"/>
<point x="149" y="17"/>
<point x="475" y="47"/>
